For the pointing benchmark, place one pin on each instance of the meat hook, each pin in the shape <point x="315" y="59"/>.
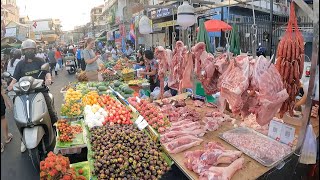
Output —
<point x="271" y="60"/>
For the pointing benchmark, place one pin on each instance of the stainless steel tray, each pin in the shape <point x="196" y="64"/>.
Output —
<point x="265" y="162"/>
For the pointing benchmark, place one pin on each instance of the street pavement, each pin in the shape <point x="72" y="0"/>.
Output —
<point x="14" y="164"/>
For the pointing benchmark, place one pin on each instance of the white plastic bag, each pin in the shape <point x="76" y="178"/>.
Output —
<point x="155" y="94"/>
<point x="167" y="94"/>
<point x="57" y="68"/>
<point x="309" y="147"/>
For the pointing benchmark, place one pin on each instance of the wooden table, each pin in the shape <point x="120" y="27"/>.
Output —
<point x="251" y="170"/>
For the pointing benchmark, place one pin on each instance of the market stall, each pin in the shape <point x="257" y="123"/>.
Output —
<point x="233" y="118"/>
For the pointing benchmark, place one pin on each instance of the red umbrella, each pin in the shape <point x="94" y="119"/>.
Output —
<point x="214" y="25"/>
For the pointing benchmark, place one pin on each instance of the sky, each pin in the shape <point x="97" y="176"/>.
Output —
<point x="70" y="12"/>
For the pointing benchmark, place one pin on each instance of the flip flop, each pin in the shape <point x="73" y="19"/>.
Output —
<point x="10" y="136"/>
<point x="2" y="147"/>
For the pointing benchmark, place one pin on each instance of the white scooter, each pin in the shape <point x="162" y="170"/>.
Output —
<point x="32" y="117"/>
<point x="70" y="62"/>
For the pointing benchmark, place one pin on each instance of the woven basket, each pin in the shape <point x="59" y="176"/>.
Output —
<point x="128" y="76"/>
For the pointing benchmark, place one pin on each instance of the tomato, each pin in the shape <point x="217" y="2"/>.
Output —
<point x="104" y="122"/>
<point x="118" y="121"/>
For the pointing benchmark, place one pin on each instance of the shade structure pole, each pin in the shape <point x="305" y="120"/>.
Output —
<point x="314" y="60"/>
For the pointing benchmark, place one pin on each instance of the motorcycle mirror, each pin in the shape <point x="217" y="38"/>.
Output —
<point x="45" y="67"/>
<point x="6" y="74"/>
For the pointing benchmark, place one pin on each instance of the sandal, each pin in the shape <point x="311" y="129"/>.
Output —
<point x="2" y="147"/>
<point x="10" y="136"/>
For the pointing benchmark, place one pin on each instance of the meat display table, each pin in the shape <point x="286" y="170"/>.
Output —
<point x="251" y="169"/>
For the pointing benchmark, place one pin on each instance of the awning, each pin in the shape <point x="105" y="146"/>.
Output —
<point x="104" y="38"/>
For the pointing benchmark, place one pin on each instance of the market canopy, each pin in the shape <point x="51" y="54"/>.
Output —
<point x="215" y="25"/>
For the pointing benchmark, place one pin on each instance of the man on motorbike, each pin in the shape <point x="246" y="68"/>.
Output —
<point x="31" y="66"/>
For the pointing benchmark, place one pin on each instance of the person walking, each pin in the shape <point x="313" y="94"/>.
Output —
<point x="58" y="57"/>
<point x="52" y="61"/>
<point x="14" y="61"/>
<point x="114" y="53"/>
<point x="5" y="103"/>
<point x="91" y="60"/>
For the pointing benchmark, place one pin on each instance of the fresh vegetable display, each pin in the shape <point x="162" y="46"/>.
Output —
<point x="127" y="70"/>
<point x="126" y="154"/>
<point x="137" y="81"/>
<point x="72" y="95"/>
<point x="94" y="115"/>
<point x="58" y="167"/>
<point x="91" y="98"/>
<point x="117" y="112"/>
<point x="109" y="75"/>
<point x="151" y="113"/>
<point x="72" y="109"/>
<point x="123" y="89"/>
<point x="66" y="131"/>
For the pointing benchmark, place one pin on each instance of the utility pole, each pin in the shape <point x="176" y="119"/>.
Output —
<point x="270" y="27"/>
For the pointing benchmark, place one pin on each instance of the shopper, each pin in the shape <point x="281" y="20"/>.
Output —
<point x="5" y="103"/>
<point x="140" y="61"/>
<point x="128" y="52"/>
<point x="151" y="71"/>
<point x="114" y="53"/>
<point x="58" y="57"/>
<point x="91" y="60"/>
<point x="52" y="61"/>
<point x="40" y="54"/>
<point x="14" y="61"/>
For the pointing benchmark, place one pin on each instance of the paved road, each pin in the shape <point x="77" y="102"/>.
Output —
<point x="14" y="164"/>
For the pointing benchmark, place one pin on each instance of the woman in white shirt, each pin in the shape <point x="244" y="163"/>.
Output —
<point x="14" y="61"/>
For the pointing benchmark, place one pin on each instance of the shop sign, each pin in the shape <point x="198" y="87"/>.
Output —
<point x="160" y="13"/>
<point x="281" y="132"/>
<point x="158" y="26"/>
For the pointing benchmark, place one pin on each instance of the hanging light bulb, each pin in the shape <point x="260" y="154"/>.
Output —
<point x="145" y="26"/>
<point x="186" y="16"/>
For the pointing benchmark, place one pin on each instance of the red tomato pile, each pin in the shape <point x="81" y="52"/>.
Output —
<point x="117" y="112"/>
<point x="151" y="113"/>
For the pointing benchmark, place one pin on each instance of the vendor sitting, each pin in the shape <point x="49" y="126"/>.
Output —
<point x="140" y="61"/>
<point x="151" y="69"/>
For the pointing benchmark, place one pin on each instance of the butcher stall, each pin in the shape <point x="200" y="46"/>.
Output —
<point x="235" y="116"/>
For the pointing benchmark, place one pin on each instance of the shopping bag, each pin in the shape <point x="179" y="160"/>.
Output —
<point x="57" y="68"/>
<point x="309" y="148"/>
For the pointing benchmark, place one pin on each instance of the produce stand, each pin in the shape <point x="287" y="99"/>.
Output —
<point x="75" y="147"/>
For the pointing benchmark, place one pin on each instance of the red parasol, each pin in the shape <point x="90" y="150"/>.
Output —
<point x="214" y="25"/>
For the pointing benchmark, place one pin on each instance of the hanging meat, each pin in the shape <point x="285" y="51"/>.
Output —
<point x="208" y="68"/>
<point x="253" y="86"/>
<point x="176" y="65"/>
<point x="161" y="54"/>
<point x="290" y="61"/>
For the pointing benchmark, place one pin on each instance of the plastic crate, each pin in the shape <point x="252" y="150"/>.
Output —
<point x="71" y="150"/>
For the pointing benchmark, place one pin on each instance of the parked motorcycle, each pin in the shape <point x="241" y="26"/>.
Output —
<point x="70" y="63"/>
<point x="32" y="117"/>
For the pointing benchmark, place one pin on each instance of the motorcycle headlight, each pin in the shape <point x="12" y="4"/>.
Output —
<point x="25" y="85"/>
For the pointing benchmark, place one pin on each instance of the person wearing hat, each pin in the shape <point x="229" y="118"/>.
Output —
<point x="31" y="66"/>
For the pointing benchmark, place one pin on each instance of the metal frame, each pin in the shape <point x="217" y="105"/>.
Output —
<point x="314" y="14"/>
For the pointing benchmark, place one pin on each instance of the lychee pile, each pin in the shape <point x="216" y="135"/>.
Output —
<point x="57" y="167"/>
